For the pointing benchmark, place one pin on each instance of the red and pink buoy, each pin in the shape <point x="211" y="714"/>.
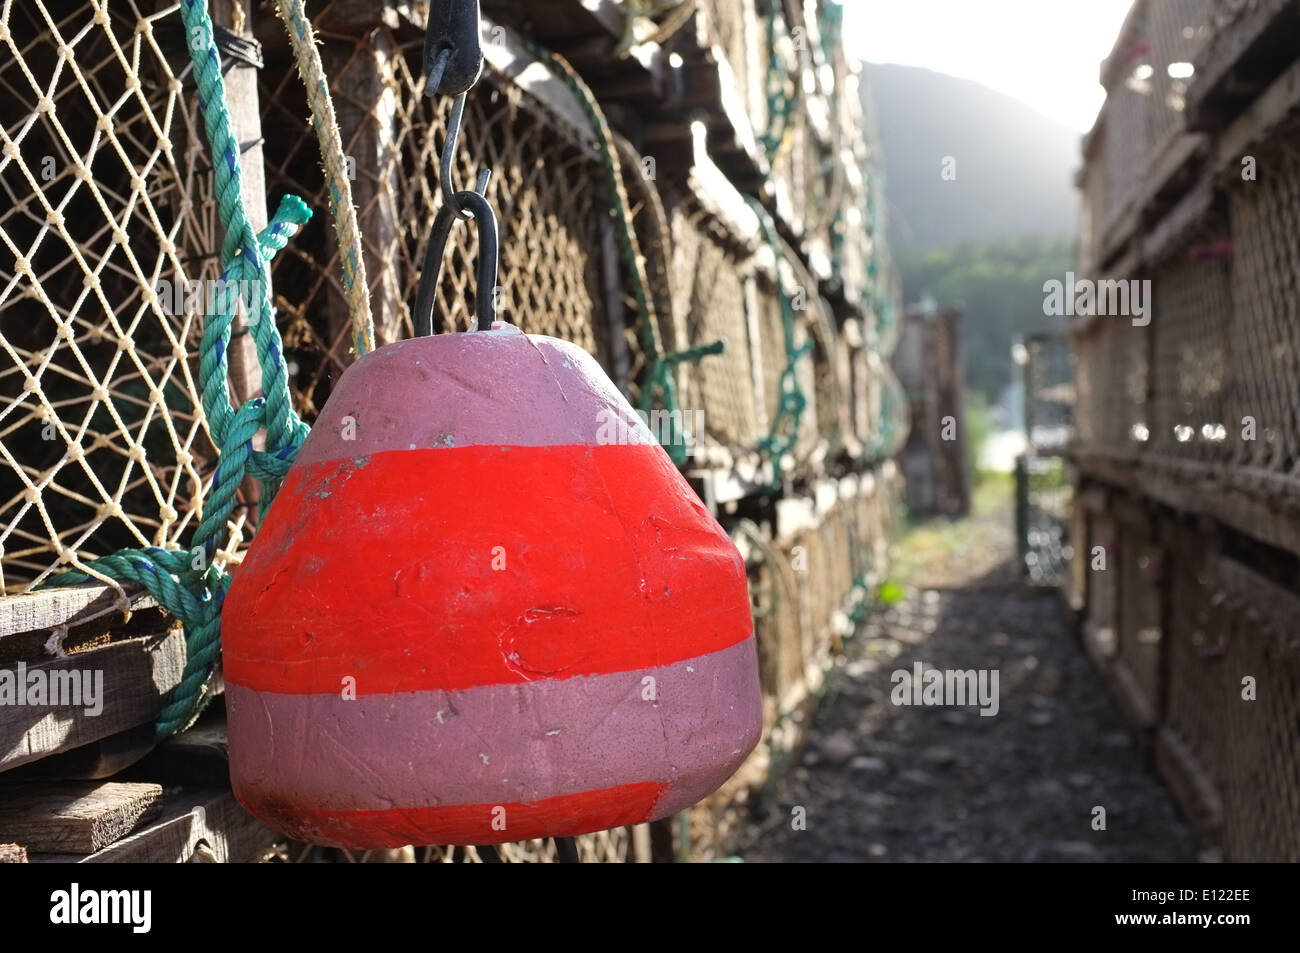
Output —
<point x="469" y="618"/>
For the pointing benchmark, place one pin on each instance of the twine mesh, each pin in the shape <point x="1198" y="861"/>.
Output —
<point x="1260" y="775"/>
<point x="1139" y="635"/>
<point x="1112" y="379"/>
<point x="1191" y="352"/>
<point x="1265" y="328"/>
<point x="733" y="27"/>
<point x="1235" y="763"/>
<point x="707" y="281"/>
<point x="544" y="189"/>
<point x="774" y="360"/>
<point x="1146" y="99"/>
<point x="107" y="193"/>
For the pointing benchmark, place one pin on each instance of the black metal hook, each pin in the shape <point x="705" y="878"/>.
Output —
<point x="448" y="156"/>
<point x="453" y="59"/>
<point x="453" y="52"/>
<point x="480" y="210"/>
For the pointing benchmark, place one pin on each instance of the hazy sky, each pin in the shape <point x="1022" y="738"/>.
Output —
<point x="1044" y="52"/>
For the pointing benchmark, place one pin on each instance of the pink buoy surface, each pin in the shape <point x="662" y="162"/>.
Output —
<point x="484" y="607"/>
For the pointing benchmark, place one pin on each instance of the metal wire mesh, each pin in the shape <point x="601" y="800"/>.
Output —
<point x="1191" y="389"/>
<point x="1265" y="328"/>
<point x="1149" y="72"/>
<point x="1049" y="391"/>
<point x="1229" y="742"/>
<point x="1112" y="380"/>
<point x="1044" y="493"/>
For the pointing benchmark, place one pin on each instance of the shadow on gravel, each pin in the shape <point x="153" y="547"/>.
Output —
<point x="888" y="782"/>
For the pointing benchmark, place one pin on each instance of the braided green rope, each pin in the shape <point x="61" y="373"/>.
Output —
<point x="784" y="433"/>
<point x="192" y="587"/>
<point x="780" y="104"/>
<point x="659" y="379"/>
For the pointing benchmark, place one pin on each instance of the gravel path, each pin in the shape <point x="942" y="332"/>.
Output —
<point x="887" y="782"/>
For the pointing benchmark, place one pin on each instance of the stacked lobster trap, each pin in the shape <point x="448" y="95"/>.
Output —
<point x="1043" y="480"/>
<point x="1187" y="435"/>
<point x="688" y="191"/>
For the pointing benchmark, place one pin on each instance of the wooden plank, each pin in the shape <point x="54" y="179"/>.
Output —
<point x="1259" y="32"/>
<point x="1196" y="489"/>
<point x="560" y="19"/>
<point x="194" y="826"/>
<point x="1258" y="123"/>
<point x="713" y="190"/>
<point x="1174" y="230"/>
<point x="719" y="487"/>
<point x="99" y="760"/>
<point x="1191" y="785"/>
<point x="1271" y="606"/>
<point x="74" y="605"/>
<point x="75" y="818"/>
<point x="127" y="679"/>
<point x="1138" y="710"/>
<point x="504" y="52"/>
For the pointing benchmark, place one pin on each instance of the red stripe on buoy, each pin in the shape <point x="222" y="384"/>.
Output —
<point x="565" y="816"/>
<point x="377" y="573"/>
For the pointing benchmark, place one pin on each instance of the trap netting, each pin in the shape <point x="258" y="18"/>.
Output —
<point x="544" y="189"/>
<point x="109" y="243"/>
<point x="1147" y="77"/>
<point x="106" y="198"/>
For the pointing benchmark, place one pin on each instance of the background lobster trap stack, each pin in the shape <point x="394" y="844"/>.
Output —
<point x="1188" y="534"/>
<point x="1044" y="492"/>
<point x="738" y="279"/>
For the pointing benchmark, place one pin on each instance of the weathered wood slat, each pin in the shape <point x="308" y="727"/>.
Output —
<point x="74" y="818"/>
<point x="52" y="608"/>
<point x="504" y="52"/>
<point x="194" y="827"/>
<point x="1174" y="230"/>
<point x="1255" y="596"/>
<point x="136" y="673"/>
<point x="1258" y="123"/>
<point x="1228" y="62"/>
<point x="1193" y="487"/>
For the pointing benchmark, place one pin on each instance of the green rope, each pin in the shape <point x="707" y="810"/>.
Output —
<point x="784" y="433"/>
<point x="189" y="586"/>
<point x="780" y="103"/>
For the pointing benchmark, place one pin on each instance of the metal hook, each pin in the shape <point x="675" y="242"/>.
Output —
<point x="453" y="58"/>
<point x="449" y="193"/>
<point x="480" y="210"/>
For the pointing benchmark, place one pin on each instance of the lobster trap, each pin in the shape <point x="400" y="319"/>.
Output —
<point x="935" y="459"/>
<point x="108" y="203"/>
<point x="771" y="308"/>
<point x="1044" y="481"/>
<point x="1186" y="436"/>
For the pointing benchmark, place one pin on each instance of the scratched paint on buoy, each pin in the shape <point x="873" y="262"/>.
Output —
<point x="389" y="675"/>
